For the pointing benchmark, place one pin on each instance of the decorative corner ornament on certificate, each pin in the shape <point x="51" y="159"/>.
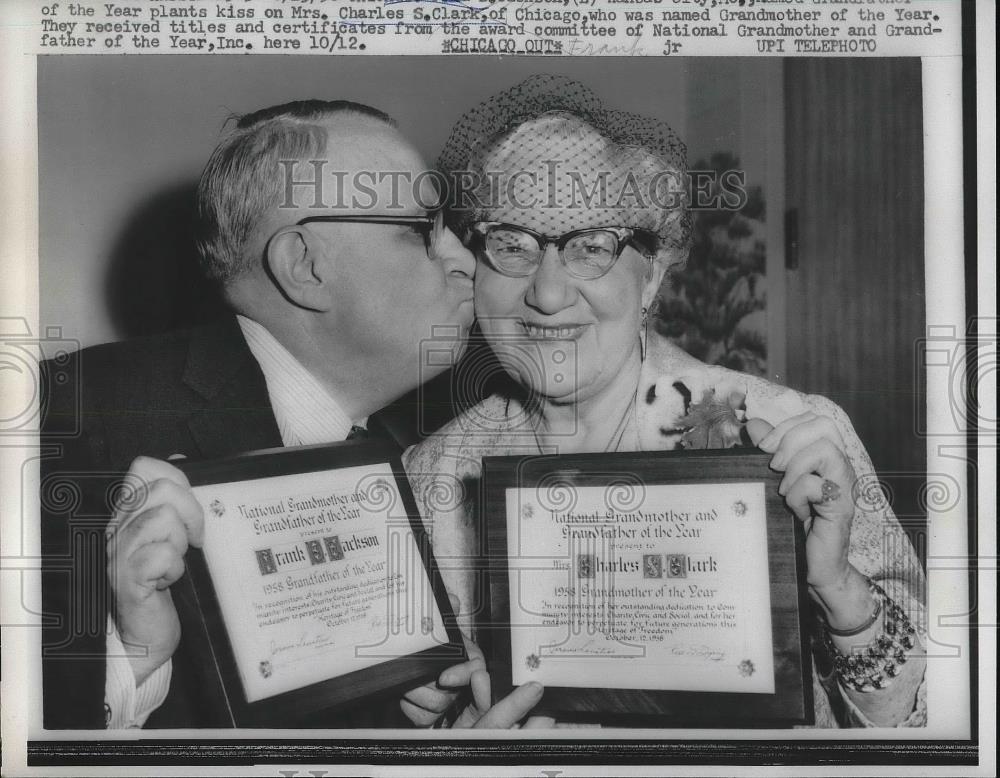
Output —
<point x="315" y="589"/>
<point x="657" y="587"/>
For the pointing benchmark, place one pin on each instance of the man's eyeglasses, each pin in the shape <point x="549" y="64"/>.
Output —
<point x="588" y="254"/>
<point x="428" y="225"/>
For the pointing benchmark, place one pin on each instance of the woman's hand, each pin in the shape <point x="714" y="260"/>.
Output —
<point x="425" y="705"/>
<point x="818" y="488"/>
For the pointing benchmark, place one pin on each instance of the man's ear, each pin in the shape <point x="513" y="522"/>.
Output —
<point x="299" y="268"/>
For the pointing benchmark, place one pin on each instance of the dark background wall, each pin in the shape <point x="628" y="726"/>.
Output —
<point x="856" y="302"/>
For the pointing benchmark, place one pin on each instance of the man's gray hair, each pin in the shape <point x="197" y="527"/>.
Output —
<point x="243" y="178"/>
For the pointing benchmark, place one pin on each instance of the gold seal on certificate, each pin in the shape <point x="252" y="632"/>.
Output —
<point x="315" y="585"/>
<point x="658" y="584"/>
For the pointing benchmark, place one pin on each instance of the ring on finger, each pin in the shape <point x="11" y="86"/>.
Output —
<point x="830" y="490"/>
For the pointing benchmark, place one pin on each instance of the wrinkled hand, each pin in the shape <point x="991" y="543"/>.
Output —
<point x="425" y="705"/>
<point x="507" y="712"/>
<point x="147" y="538"/>
<point x="817" y="486"/>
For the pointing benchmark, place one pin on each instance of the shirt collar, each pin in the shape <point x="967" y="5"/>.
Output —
<point x="305" y="411"/>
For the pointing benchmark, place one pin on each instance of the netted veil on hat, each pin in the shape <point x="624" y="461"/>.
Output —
<point x="645" y="144"/>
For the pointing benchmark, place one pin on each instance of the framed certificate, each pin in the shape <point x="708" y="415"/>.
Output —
<point x="315" y="589"/>
<point x="658" y="587"/>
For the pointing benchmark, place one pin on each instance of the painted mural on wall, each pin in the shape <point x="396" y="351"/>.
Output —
<point x="715" y="307"/>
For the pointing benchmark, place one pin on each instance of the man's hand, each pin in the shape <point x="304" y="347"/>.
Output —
<point x="147" y="539"/>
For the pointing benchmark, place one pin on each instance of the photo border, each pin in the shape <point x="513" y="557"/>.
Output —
<point x="853" y="752"/>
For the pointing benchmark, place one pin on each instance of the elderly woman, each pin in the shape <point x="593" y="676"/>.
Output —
<point x="576" y="215"/>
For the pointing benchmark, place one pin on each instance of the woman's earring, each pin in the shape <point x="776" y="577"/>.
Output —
<point x="642" y="332"/>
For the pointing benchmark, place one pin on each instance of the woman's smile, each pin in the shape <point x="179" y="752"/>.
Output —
<point x="539" y="331"/>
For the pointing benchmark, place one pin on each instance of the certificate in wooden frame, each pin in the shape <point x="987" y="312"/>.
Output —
<point x="204" y="621"/>
<point x="791" y="700"/>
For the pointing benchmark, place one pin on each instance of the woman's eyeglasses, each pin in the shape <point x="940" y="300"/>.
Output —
<point x="588" y="254"/>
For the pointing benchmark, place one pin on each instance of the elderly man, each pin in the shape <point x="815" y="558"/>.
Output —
<point x="330" y="303"/>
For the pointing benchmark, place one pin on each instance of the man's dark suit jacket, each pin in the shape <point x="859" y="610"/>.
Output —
<point x="199" y="393"/>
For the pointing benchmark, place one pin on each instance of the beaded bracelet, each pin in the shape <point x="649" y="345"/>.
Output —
<point x="875" y="665"/>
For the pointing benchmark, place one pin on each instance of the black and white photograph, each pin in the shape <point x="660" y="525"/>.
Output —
<point x="431" y="411"/>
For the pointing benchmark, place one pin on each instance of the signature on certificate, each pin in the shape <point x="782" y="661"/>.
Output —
<point x="305" y="641"/>
<point x="592" y="648"/>
<point x="704" y="652"/>
<point x="395" y="625"/>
